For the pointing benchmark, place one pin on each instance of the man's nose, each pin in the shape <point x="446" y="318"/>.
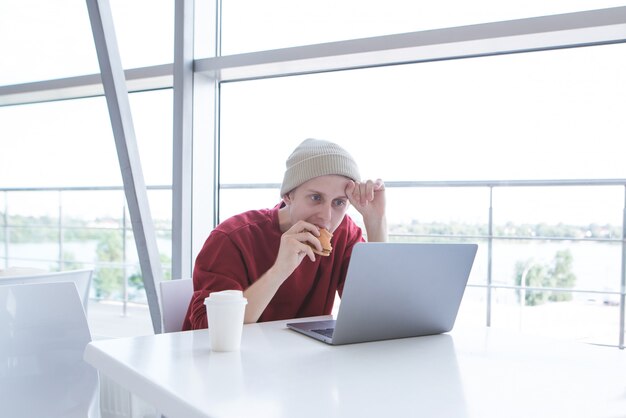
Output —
<point x="326" y="212"/>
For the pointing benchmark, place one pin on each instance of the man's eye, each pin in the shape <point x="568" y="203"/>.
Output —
<point x="316" y="197"/>
<point x="340" y="202"/>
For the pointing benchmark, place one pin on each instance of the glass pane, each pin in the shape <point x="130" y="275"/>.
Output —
<point x="161" y="210"/>
<point x="99" y="208"/>
<point x="32" y="207"/>
<point x="234" y="201"/>
<point x="575" y="211"/>
<point x="72" y="144"/>
<point x="543" y="115"/>
<point x="259" y="25"/>
<point x="417" y="212"/>
<point x="145" y="31"/>
<point x="45" y="40"/>
<point x="578" y="265"/>
<point x="31" y="218"/>
<point x="548" y="115"/>
<point x="435" y="210"/>
<point x="100" y="234"/>
<point x="153" y="121"/>
<point x="53" y="39"/>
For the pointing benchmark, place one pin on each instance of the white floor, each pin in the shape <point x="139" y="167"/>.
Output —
<point x="108" y="320"/>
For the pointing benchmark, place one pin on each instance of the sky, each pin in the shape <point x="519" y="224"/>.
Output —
<point x="529" y="116"/>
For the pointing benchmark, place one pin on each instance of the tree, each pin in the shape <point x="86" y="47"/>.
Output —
<point x="555" y="274"/>
<point x="108" y="279"/>
<point x="69" y="262"/>
<point x="136" y="280"/>
<point x="561" y="275"/>
<point x="533" y="275"/>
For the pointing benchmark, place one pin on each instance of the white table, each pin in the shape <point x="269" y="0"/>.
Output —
<point x="477" y="373"/>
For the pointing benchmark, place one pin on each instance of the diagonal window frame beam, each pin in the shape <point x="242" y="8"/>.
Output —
<point x="116" y="94"/>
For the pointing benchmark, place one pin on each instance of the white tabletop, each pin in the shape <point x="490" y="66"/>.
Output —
<point x="477" y="373"/>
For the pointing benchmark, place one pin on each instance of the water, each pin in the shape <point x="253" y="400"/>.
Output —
<point x="46" y="254"/>
<point x="82" y="254"/>
<point x="597" y="266"/>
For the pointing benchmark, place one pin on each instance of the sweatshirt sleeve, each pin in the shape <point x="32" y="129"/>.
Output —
<point x="219" y="266"/>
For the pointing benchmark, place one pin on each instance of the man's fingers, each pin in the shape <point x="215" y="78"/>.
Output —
<point x="362" y="193"/>
<point x="366" y="192"/>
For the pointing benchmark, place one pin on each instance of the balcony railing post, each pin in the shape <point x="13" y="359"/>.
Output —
<point x="6" y="229"/>
<point x="489" y="257"/>
<point x="124" y="273"/>
<point x="60" y="234"/>
<point x="622" y="298"/>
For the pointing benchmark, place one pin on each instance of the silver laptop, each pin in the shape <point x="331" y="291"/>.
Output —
<point x="397" y="290"/>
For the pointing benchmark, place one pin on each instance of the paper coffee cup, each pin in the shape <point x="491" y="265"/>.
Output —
<point x="225" y="313"/>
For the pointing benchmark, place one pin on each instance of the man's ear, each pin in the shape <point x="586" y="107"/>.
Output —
<point x="287" y="198"/>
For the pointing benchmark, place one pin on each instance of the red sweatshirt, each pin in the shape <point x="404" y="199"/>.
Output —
<point x="242" y="248"/>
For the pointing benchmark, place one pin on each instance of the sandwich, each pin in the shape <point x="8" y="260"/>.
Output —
<point x="325" y="236"/>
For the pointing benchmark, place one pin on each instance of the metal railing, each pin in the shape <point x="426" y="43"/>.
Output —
<point x="489" y="237"/>
<point x="123" y="228"/>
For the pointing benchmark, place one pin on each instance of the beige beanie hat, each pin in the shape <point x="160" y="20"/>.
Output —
<point x="314" y="158"/>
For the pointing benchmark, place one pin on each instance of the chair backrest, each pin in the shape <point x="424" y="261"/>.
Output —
<point x="175" y="297"/>
<point x="43" y="334"/>
<point x="82" y="279"/>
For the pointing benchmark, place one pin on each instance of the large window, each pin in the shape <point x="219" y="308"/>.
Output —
<point x="547" y="122"/>
<point x="49" y="40"/>
<point x="543" y="115"/>
<point x="63" y="205"/>
<point x="519" y="152"/>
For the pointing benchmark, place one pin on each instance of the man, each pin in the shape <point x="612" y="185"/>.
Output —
<point x="266" y="253"/>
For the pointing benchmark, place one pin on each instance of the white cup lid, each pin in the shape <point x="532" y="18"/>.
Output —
<point x="226" y="296"/>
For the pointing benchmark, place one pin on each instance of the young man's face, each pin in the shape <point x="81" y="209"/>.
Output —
<point x="321" y="201"/>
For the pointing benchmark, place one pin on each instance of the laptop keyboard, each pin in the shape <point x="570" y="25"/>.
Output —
<point x="327" y="332"/>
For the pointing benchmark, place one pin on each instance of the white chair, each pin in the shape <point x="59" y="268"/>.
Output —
<point x="43" y="333"/>
<point x="82" y="279"/>
<point x="175" y="297"/>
